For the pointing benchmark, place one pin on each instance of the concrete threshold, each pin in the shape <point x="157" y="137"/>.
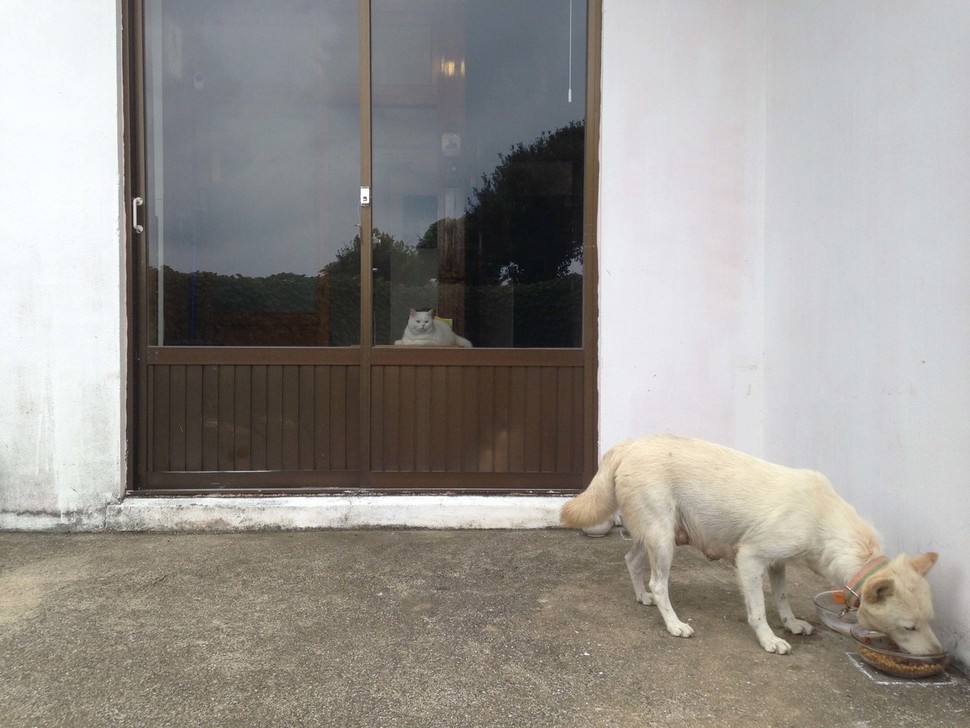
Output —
<point x="297" y="513"/>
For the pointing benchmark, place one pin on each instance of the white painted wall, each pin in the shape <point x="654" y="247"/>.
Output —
<point x="867" y="268"/>
<point x="61" y="385"/>
<point x="681" y="213"/>
<point x="792" y="178"/>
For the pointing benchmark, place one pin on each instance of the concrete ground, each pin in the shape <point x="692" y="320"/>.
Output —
<point x="408" y="628"/>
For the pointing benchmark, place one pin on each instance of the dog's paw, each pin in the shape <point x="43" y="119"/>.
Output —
<point x="679" y="629"/>
<point x="645" y="598"/>
<point x="776" y="645"/>
<point x="798" y="626"/>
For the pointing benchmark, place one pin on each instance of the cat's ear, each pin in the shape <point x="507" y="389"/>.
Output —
<point x="432" y="312"/>
<point x="412" y="314"/>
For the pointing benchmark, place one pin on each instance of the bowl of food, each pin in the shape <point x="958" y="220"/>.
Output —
<point x="879" y="651"/>
<point x="831" y="611"/>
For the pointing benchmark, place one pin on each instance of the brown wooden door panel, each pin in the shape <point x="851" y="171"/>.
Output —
<point x="470" y="419"/>
<point x="284" y="427"/>
<point x="237" y="417"/>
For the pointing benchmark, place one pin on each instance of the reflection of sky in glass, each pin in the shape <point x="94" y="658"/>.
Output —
<point x="253" y="111"/>
<point x="518" y="72"/>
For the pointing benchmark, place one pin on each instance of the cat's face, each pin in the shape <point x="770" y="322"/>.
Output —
<point x="421" y="322"/>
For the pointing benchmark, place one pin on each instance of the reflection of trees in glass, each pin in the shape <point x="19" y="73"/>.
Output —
<point x="389" y="254"/>
<point x="526" y="221"/>
<point x="524" y="245"/>
<point x="396" y="267"/>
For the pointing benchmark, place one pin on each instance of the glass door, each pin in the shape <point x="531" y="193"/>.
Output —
<point x="252" y="135"/>
<point x="479" y="372"/>
<point x="275" y="352"/>
<point x="479" y="113"/>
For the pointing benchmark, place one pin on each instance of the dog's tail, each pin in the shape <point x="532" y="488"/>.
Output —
<point x="597" y="503"/>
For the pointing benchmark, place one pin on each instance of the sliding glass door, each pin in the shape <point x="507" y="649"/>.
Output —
<point x="479" y="115"/>
<point x="253" y="146"/>
<point x="362" y="240"/>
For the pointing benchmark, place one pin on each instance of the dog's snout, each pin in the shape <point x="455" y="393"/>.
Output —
<point x="918" y="641"/>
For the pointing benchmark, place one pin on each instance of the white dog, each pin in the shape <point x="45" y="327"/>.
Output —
<point x="673" y="491"/>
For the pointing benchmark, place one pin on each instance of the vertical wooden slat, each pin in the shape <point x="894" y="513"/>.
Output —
<point x="227" y="417"/>
<point x="193" y="417"/>
<point x="517" y="424"/>
<point x="532" y="441"/>
<point x="321" y="404"/>
<point x="391" y="414"/>
<point x="453" y="419"/>
<point x="210" y="417"/>
<point x="274" y="417"/>
<point x="259" y="417"/>
<point x="150" y="418"/>
<point x="406" y="420"/>
<point x="439" y="419"/>
<point x="353" y="419"/>
<point x="243" y="405"/>
<point x="376" y="420"/>
<point x="564" y="424"/>
<point x="469" y="420"/>
<point x="307" y="415"/>
<point x="550" y="420"/>
<point x="291" y="417"/>
<point x="340" y="406"/>
<point x="176" y="420"/>
<point x="422" y="419"/>
<point x="486" y="420"/>
<point x="162" y="416"/>
<point x="500" y="460"/>
<point x="579" y="421"/>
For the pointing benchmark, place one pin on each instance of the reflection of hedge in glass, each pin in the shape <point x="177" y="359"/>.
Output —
<point x="285" y="309"/>
<point x="547" y="314"/>
<point x="209" y="309"/>
<point x="278" y="293"/>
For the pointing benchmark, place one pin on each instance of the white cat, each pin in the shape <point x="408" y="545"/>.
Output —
<point x="424" y="329"/>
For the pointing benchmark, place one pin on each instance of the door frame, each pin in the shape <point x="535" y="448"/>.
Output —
<point x="141" y="356"/>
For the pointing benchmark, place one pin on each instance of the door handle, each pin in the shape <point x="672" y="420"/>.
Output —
<point x="135" y="225"/>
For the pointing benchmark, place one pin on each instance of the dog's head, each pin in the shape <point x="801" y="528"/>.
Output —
<point x="896" y="601"/>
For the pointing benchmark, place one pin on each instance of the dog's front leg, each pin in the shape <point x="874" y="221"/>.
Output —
<point x="751" y="571"/>
<point x="776" y="574"/>
<point x="661" y="555"/>
<point x="636" y="564"/>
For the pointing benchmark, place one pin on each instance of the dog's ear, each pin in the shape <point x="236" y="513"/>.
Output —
<point x="924" y="562"/>
<point x="878" y="589"/>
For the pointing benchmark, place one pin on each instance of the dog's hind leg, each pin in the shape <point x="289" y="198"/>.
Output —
<point x="751" y="572"/>
<point x="776" y="575"/>
<point x="636" y="564"/>
<point x="660" y="551"/>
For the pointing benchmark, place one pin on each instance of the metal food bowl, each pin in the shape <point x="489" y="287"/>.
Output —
<point x="879" y="651"/>
<point x="830" y="608"/>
